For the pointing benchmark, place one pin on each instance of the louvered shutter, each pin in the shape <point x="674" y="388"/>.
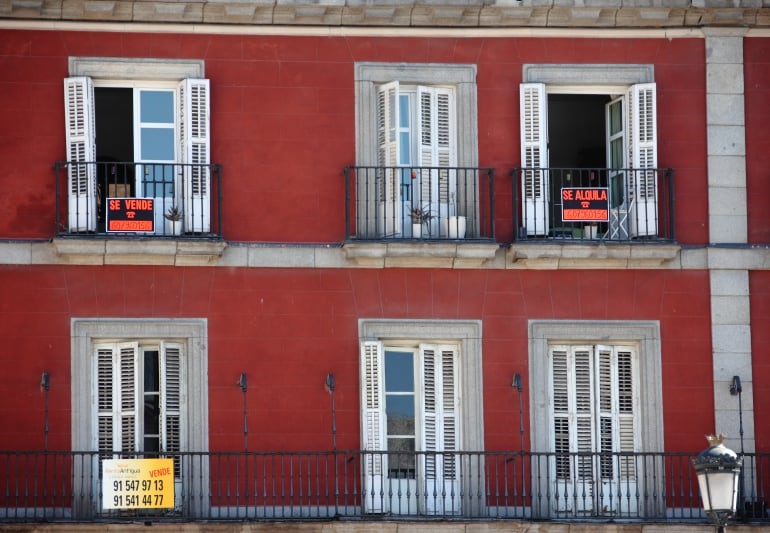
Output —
<point x="81" y="153"/>
<point x="105" y="399"/>
<point x="617" y="405"/>
<point x="128" y="387"/>
<point x="172" y="400"/>
<point x="388" y="176"/>
<point x="440" y="432"/>
<point x="436" y="135"/>
<point x="583" y="401"/>
<point x="373" y="425"/>
<point x="117" y="385"/>
<point x="534" y="157"/>
<point x="643" y="155"/>
<point x="195" y="146"/>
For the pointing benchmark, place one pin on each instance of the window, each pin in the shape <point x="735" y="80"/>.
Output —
<point x="138" y="128"/>
<point x="416" y="125"/>
<point x="589" y="126"/>
<point x="139" y="394"/>
<point x="421" y="398"/>
<point x="140" y="386"/>
<point x="594" y="401"/>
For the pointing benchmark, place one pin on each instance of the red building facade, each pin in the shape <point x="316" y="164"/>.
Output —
<point x="295" y="170"/>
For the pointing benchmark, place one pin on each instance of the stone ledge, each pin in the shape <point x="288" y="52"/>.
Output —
<point x="403" y="13"/>
<point x="138" y="252"/>
<point x="590" y="256"/>
<point x="420" y="255"/>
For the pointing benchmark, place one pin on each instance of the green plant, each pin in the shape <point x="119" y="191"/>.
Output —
<point x="420" y="215"/>
<point x="174" y="214"/>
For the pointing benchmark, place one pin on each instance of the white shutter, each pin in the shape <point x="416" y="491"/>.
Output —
<point x="388" y="177"/>
<point x="171" y="399"/>
<point x="373" y="425"/>
<point x="128" y="389"/>
<point x="534" y="156"/>
<point x="643" y="154"/>
<point x="105" y="399"/>
<point x="81" y="153"/>
<point x="195" y="146"/>
<point x="117" y="387"/>
<point x="436" y="135"/>
<point x="440" y="431"/>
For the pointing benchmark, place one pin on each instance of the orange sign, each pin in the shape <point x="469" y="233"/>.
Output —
<point x="130" y="214"/>
<point x="585" y="204"/>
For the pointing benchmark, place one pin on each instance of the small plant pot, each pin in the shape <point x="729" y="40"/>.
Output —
<point x="416" y="230"/>
<point x="456" y="227"/>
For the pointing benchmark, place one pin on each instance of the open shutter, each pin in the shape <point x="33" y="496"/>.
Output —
<point x="128" y="388"/>
<point x="440" y="430"/>
<point x="534" y="158"/>
<point x="388" y="176"/>
<point x="195" y="146"/>
<point x="643" y="156"/>
<point x="105" y="399"/>
<point x="81" y="153"/>
<point x="171" y="399"/>
<point x="437" y="151"/>
<point x="373" y="426"/>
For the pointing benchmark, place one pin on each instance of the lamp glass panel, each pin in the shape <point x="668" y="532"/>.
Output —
<point x="718" y="490"/>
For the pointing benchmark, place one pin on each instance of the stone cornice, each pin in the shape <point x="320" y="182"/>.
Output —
<point x="399" y="14"/>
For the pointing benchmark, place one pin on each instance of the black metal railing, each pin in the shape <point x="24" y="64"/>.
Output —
<point x="419" y="203"/>
<point x="125" y="199"/>
<point x="640" y="487"/>
<point x="590" y="204"/>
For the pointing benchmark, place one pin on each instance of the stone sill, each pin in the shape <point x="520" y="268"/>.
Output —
<point x="138" y="252"/>
<point x="421" y="254"/>
<point x="591" y="256"/>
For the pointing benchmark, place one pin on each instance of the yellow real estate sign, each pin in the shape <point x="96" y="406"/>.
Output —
<point x="137" y="483"/>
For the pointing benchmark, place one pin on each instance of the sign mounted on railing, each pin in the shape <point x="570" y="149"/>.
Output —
<point x="138" y="483"/>
<point x="130" y="214"/>
<point x="585" y="204"/>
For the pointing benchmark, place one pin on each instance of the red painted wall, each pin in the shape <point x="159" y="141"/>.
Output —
<point x="759" y="287"/>
<point x="287" y="328"/>
<point x="283" y="118"/>
<point x="756" y="54"/>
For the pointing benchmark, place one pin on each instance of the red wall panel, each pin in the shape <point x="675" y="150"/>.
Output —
<point x="287" y="328"/>
<point x="757" y="103"/>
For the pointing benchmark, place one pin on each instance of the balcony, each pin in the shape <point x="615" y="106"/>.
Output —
<point x="38" y="486"/>
<point x="592" y="205"/>
<point x="126" y="200"/>
<point x="442" y="217"/>
<point x="419" y="204"/>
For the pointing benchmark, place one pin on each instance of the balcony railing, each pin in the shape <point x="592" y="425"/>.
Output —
<point x="419" y="203"/>
<point x="129" y="199"/>
<point x="594" y="204"/>
<point x="604" y="487"/>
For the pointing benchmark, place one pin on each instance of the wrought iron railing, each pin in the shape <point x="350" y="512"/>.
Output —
<point x="594" y="204"/>
<point x="127" y="199"/>
<point x="641" y="487"/>
<point x="419" y="203"/>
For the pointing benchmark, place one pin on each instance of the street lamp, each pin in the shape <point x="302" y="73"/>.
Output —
<point x="718" y="469"/>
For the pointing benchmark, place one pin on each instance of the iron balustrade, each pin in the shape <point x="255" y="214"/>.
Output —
<point x="261" y="485"/>
<point x="194" y="191"/>
<point x="419" y="203"/>
<point x="621" y="205"/>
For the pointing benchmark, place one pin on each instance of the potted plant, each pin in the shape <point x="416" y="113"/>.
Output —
<point x="174" y="217"/>
<point x="420" y="215"/>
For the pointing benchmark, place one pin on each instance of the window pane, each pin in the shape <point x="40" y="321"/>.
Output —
<point x="399" y="371"/>
<point x="157" y="144"/>
<point x="400" y="414"/>
<point x="151" y="414"/>
<point x="151" y="372"/>
<point x="401" y="459"/>
<point x="156" y="106"/>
